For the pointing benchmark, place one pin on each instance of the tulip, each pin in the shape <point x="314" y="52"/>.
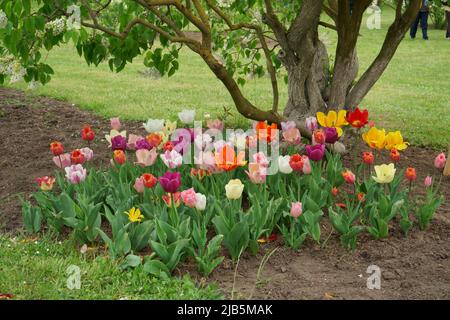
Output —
<point x="227" y="160"/>
<point x="318" y="137"/>
<point x="288" y="125"/>
<point x="234" y="189"/>
<point x="154" y="139"/>
<point x="199" y="173"/>
<point x="87" y="133"/>
<point x="176" y="197"/>
<point x="149" y="180"/>
<point x="261" y="159"/>
<point x="134" y="215"/>
<point x="394" y="140"/>
<point x="202" y="141"/>
<point x="119" y="156"/>
<point x="119" y="142"/>
<point x="334" y="192"/>
<point x="296" y="209"/>
<point x="331" y="135"/>
<point x="252" y="141"/>
<point x="154" y="125"/>
<point x="428" y="182"/>
<point x="75" y="174"/>
<point x="395" y="155"/>
<point x="187" y="116"/>
<point x="146" y="158"/>
<point x="77" y="157"/>
<point x="115" y="133"/>
<point x="361" y="196"/>
<point x="440" y="161"/>
<point x="200" y="202"/>
<point x="215" y="124"/>
<point x="172" y="159"/>
<point x="56" y="148"/>
<point x="257" y="173"/>
<point x="139" y="185"/>
<point x="292" y="136"/>
<point x="311" y="124"/>
<point x="315" y="153"/>
<point x="45" y="183"/>
<point x="189" y="197"/>
<point x="170" y="181"/>
<point x="88" y="153"/>
<point x="169" y="127"/>
<point x="141" y="143"/>
<point x="132" y="140"/>
<point x="333" y="120"/>
<point x="349" y="177"/>
<point x="62" y="160"/>
<point x="384" y="173"/>
<point x="284" y="164"/>
<point x="206" y="161"/>
<point x="266" y="132"/>
<point x="368" y="158"/>
<point x="296" y="162"/>
<point x="358" y="118"/>
<point x="115" y="124"/>
<point x="410" y="174"/>
<point x="307" y="169"/>
<point x="375" y="139"/>
<point x="168" y="146"/>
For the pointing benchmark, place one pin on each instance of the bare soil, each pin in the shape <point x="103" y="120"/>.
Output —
<point x="412" y="267"/>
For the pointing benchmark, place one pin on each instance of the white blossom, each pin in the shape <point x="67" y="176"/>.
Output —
<point x="3" y="19"/>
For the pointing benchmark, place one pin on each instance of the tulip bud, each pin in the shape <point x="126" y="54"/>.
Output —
<point x="410" y="174"/>
<point x="296" y="209"/>
<point x="119" y="157"/>
<point x="349" y="177"/>
<point x="428" y="181"/>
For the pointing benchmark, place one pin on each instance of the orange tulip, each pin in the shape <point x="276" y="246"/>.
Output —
<point x="56" y="148"/>
<point x="266" y="132"/>
<point x="227" y="160"/>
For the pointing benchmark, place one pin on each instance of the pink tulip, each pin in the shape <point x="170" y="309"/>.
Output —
<point x="292" y="136"/>
<point x="139" y="185"/>
<point x="306" y="165"/>
<point x="76" y="174"/>
<point x="88" y="153"/>
<point x="261" y="159"/>
<point x="172" y="159"/>
<point x="428" y="181"/>
<point x="288" y="125"/>
<point x="440" y="161"/>
<point x="189" y="197"/>
<point x="115" y="124"/>
<point x="311" y="124"/>
<point x="215" y="124"/>
<point x="62" y="160"/>
<point x="146" y="158"/>
<point x="132" y="139"/>
<point x="296" y="209"/>
<point x="257" y="173"/>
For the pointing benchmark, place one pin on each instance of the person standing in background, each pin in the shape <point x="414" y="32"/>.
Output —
<point x="422" y="17"/>
<point x="446" y="5"/>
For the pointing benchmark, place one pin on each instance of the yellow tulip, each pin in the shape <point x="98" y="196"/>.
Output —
<point x="384" y="173"/>
<point x="169" y="127"/>
<point x="234" y="189"/>
<point x="333" y="120"/>
<point x="134" y="215"/>
<point x="376" y="139"/>
<point x="394" y="140"/>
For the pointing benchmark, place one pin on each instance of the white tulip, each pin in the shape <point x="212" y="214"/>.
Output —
<point x="283" y="164"/>
<point x="187" y="116"/>
<point x="154" y="125"/>
<point x="200" y="203"/>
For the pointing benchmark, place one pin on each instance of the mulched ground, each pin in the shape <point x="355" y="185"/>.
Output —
<point x="413" y="267"/>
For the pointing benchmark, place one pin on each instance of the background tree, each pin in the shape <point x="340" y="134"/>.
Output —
<point x="234" y="38"/>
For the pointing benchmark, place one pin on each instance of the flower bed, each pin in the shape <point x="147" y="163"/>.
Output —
<point x="189" y="192"/>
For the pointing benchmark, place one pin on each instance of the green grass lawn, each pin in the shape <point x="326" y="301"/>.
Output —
<point x="413" y="95"/>
<point x="37" y="269"/>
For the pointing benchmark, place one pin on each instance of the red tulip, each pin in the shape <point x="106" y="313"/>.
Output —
<point x="149" y="180"/>
<point x="368" y="158"/>
<point x="358" y="118"/>
<point x="410" y="174"/>
<point x="56" y="148"/>
<point x="77" y="157"/>
<point x="349" y="177"/>
<point x="87" y="133"/>
<point x="296" y="162"/>
<point x="395" y="155"/>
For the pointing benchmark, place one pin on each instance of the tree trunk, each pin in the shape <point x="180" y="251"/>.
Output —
<point x="308" y="82"/>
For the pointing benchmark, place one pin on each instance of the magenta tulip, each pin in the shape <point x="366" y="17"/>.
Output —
<point x="316" y="152"/>
<point x="170" y="181"/>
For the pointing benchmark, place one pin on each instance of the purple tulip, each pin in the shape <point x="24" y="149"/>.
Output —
<point x="119" y="143"/>
<point x="331" y="135"/>
<point x="170" y="181"/>
<point x="316" y="152"/>
<point x="142" y="144"/>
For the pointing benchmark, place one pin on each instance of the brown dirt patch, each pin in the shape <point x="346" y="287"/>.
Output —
<point x="413" y="267"/>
